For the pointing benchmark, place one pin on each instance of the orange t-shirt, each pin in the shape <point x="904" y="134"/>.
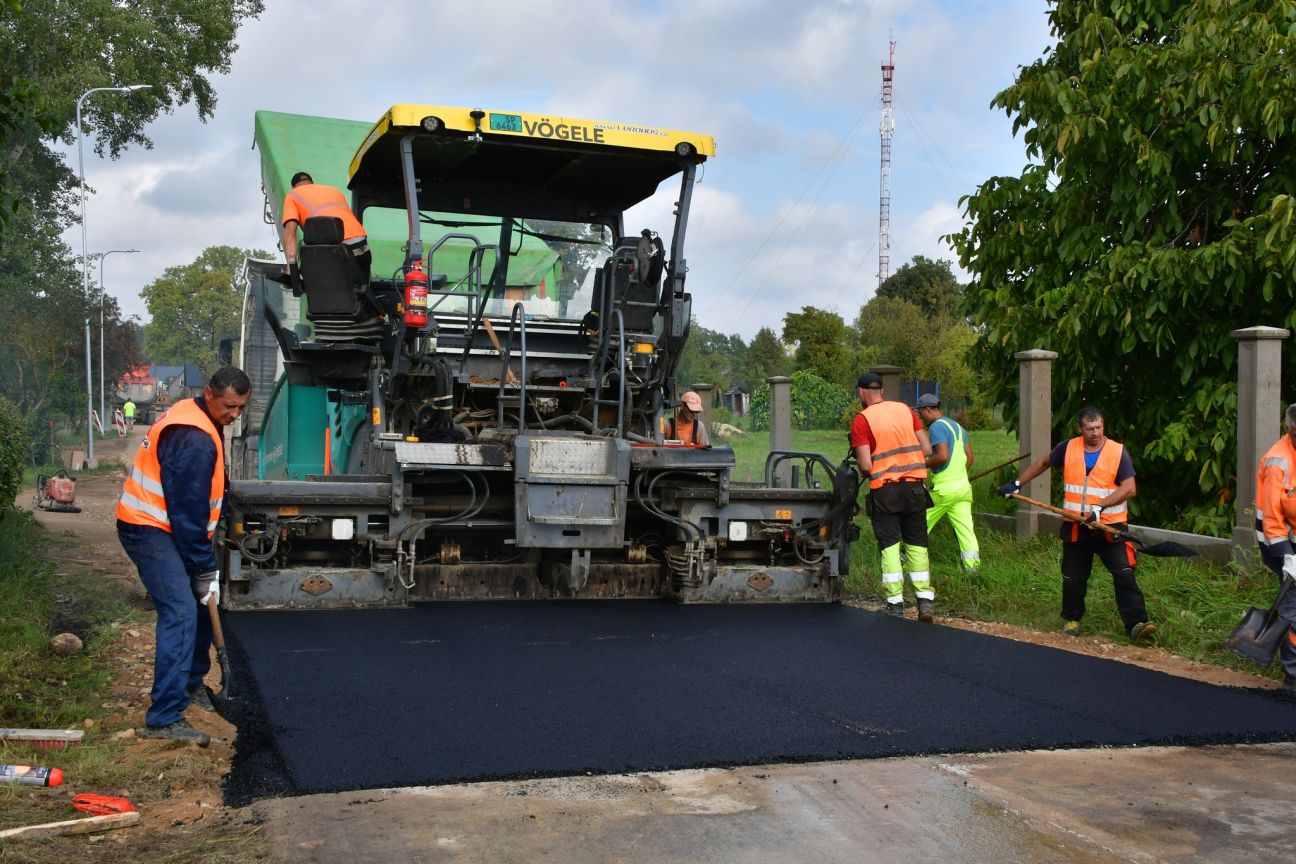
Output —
<point x="315" y="199"/>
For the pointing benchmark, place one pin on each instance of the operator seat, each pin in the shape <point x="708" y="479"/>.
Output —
<point x="338" y="300"/>
<point x="630" y="280"/>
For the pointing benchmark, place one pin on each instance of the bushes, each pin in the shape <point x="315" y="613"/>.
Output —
<point x="816" y="404"/>
<point x="13" y="444"/>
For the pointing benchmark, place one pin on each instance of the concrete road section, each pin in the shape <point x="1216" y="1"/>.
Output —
<point x="480" y="691"/>
<point x="1213" y="804"/>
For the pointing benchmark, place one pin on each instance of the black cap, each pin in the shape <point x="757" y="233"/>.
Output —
<point x="301" y="177"/>
<point x="869" y="381"/>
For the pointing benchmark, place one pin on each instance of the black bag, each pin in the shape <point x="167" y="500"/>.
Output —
<point x="1260" y="633"/>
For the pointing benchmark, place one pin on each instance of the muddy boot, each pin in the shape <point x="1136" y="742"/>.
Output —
<point x="925" y="612"/>
<point x="177" y="731"/>
<point x="198" y="696"/>
<point x="896" y="609"/>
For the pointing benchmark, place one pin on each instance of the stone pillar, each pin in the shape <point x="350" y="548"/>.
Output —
<point x="890" y="383"/>
<point x="1259" y="422"/>
<point x="1035" y="429"/>
<point x="705" y="391"/>
<point x="781" y="424"/>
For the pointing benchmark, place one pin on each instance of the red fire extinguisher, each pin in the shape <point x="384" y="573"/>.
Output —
<point x="416" y="293"/>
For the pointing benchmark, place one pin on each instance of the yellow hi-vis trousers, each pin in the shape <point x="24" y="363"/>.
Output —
<point x="916" y="562"/>
<point x="958" y="509"/>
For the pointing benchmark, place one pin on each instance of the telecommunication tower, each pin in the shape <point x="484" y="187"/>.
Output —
<point x="887" y="128"/>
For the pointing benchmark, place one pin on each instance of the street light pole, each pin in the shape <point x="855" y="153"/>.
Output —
<point x="85" y="257"/>
<point x="103" y="292"/>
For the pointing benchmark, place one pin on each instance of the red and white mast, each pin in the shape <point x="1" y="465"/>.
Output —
<point x="887" y="128"/>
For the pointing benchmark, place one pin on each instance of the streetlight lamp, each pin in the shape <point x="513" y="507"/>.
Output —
<point x="103" y="390"/>
<point x="85" y="256"/>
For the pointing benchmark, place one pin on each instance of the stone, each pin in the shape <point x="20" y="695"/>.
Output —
<point x="66" y="644"/>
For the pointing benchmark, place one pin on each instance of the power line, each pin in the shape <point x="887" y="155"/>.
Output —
<point x="836" y="156"/>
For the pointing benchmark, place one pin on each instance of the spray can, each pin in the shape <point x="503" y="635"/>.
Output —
<point x="30" y="775"/>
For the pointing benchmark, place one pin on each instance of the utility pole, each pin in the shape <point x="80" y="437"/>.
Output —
<point x="887" y="129"/>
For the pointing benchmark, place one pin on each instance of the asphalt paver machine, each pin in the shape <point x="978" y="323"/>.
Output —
<point x="482" y="414"/>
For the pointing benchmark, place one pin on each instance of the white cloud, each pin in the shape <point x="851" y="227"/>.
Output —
<point x="781" y="86"/>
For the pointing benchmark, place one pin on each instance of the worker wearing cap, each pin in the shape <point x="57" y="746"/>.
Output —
<point x="1275" y="524"/>
<point x="308" y="199"/>
<point x="891" y="449"/>
<point x="951" y="491"/>
<point x="1097" y="481"/>
<point x="686" y="425"/>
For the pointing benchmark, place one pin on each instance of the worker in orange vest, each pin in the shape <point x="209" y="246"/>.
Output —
<point x="1097" y="481"/>
<point x="687" y="425"/>
<point x="166" y="518"/>
<point x="1275" y="524"/>
<point x="308" y="198"/>
<point x="891" y="448"/>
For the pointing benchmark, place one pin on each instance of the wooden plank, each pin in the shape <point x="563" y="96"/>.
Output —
<point x="66" y="735"/>
<point x="72" y="826"/>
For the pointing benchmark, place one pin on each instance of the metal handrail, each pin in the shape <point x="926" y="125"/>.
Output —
<point x="601" y="370"/>
<point x="518" y="318"/>
<point x="778" y="457"/>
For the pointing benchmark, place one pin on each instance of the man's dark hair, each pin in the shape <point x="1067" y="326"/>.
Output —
<point x="299" y="177"/>
<point x="230" y="378"/>
<point x="1089" y="414"/>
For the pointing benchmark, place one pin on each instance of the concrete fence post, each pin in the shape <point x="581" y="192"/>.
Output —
<point x="890" y="382"/>
<point x="1035" y="429"/>
<point x="705" y="391"/>
<point x="780" y="437"/>
<point x="1259" y="422"/>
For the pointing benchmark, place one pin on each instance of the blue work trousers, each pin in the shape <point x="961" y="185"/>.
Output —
<point x="184" y="632"/>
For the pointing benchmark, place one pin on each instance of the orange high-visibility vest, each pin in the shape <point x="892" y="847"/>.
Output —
<point x="313" y="199"/>
<point x="142" y="501"/>
<point x="897" y="454"/>
<point x="1275" y="506"/>
<point x="1080" y="491"/>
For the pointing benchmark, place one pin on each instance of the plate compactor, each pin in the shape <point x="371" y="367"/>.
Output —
<point x="56" y="493"/>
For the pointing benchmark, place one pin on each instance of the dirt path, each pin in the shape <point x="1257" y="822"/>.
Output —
<point x="180" y="805"/>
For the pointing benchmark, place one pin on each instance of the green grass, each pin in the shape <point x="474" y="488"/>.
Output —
<point x="39" y="689"/>
<point x="1194" y="603"/>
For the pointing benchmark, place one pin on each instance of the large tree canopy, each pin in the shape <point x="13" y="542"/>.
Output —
<point x="1155" y="216"/>
<point x="194" y="306"/>
<point x="929" y="285"/>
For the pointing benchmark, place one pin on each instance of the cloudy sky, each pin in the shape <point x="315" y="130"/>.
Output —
<point x="785" y="216"/>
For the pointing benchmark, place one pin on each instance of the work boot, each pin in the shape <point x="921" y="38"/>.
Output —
<point x="1142" y="632"/>
<point x="199" y="696"/>
<point x="177" y="731"/>
<point x="896" y="609"/>
<point x="1289" y="683"/>
<point x="1071" y="628"/>
<point x="924" y="610"/>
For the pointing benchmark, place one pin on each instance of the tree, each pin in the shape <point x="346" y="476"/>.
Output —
<point x="929" y="285"/>
<point x="194" y="306"/>
<point x="710" y="357"/>
<point x="766" y="358"/>
<point x="892" y="331"/>
<point x="1155" y="216"/>
<point x="821" y="344"/>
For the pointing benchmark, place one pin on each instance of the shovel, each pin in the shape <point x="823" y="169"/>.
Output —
<point x="1260" y="633"/>
<point x="220" y="700"/>
<point x="1166" y="549"/>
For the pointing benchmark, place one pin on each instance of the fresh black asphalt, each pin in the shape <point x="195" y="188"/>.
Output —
<point x="340" y="700"/>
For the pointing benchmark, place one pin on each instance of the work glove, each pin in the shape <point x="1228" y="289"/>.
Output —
<point x="1009" y="489"/>
<point x="206" y="587"/>
<point x="294" y="278"/>
<point x="1095" y="511"/>
<point x="1289" y="567"/>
